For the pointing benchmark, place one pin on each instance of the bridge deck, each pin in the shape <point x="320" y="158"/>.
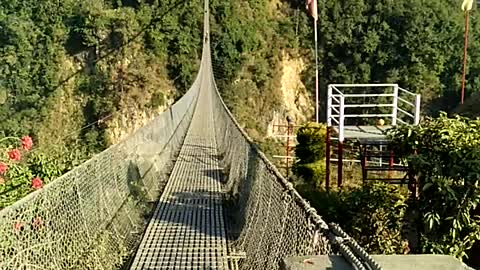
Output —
<point x="187" y="230"/>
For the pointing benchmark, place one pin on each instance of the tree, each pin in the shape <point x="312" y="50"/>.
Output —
<point x="310" y="152"/>
<point x="444" y="154"/>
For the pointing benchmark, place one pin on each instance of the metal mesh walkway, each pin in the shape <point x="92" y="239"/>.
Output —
<point x="187" y="228"/>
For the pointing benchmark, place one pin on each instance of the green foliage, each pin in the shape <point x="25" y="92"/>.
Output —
<point x="445" y="146"/>
<point x="470" y="108"/>
<point x="47" y="168"/>
<point x="311" y="139"/>
<point x="415" y="43"/>
<point x="375" y="217"/>
<point x="311" y="172"/>
<point x="158" y="99"/>
<point x="18" y="178"/>
<point x="310" y="152"/>
<point x="444" y="153"/>
<point x="248" y="40"/>
<point x="98" y="54"/>
<point x="373" y="214"/>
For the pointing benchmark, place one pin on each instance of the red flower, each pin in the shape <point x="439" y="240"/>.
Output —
<point x="27" y="142"/>
<point x="14" y="155"/>
<point x="2" y="181"/>
<point x="37" y="183"/>
<point x="3" y="168"/>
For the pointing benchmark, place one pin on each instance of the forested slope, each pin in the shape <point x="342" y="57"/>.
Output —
<point x="80" y="75"/>
<point x="415" y="43"/>
<point x="64" y="65"/>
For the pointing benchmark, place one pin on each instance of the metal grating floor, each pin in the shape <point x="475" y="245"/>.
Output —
<point x="187" y="230"/>
<point x="364" y="132"/>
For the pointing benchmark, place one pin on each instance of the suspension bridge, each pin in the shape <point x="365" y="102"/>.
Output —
<point x="217" y="202"/>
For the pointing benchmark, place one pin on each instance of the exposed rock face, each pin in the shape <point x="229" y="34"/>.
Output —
<point x="297" y="102"/>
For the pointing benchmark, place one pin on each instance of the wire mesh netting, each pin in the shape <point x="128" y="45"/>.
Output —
<point x="91" y="217"/>
<point x="268" y="219"/>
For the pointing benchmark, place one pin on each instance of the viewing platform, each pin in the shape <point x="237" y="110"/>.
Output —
<point x="363" y="113"/>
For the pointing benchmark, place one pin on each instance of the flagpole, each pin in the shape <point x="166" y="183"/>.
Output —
<point x="316" y="71"/>
<point x="312" y="10"/>
<point x="464" y="57"/>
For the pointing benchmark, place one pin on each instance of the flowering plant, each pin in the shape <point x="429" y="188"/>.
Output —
<point x="22" y="170"/>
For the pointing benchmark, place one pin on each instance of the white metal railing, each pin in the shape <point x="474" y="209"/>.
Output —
<point x="405" y="105"/>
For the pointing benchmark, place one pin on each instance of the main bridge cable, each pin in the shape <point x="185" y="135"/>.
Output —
<point x="351" y="250"/>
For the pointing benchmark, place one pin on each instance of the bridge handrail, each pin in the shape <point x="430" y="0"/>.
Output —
<point x="351" y="251"/>
<point x="286" y="184"/>
<point x="339" y="102"/>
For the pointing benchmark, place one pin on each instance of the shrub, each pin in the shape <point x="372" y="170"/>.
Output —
<point x="373" y="214"/>
<point x="375" y="217"/>
<point x="444" y="153"/>
<point x="22" y="171"/>
<point x="311" y="143"/>
<point x="310" y="152"/>
<point x="311" y="173"/>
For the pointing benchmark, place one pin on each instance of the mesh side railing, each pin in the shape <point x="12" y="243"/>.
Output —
<point x="93" y="216"/>
<point x="269" y="220"/>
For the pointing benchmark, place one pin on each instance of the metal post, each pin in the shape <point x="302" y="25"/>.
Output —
<point x="316" y="71"/>
<point x="395" y="105"/>
<point x="363" y="151"/>
<point x="381" y="156"/>
<point x="341" y="119"/>
<point x="340" y="140"/>
<point x="329" y="105"/>
<point x="340" y="164"/>
<point x="287" y="156"/>
<point x="327" y="159"/>
<point x="417" y="109"/>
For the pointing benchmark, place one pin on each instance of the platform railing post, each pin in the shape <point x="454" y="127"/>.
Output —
<point x="329" y="106"/>
<point x="363" y="162"/>
<point x="341" y="120"/>
<point x="340" y="164"/>
<point x="395" y="105"/>
<point x="327" y="159"/>
<point x="341" y="137"/>
<point x="417" y="109"/>
<point x="328" y="140"/>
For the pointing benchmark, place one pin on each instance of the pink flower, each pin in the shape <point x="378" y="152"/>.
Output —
<point x="14" y="155"/>
<point x="3" y="168"/>
<point x="27" y="143"/>
<point x="37" y="183"/>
